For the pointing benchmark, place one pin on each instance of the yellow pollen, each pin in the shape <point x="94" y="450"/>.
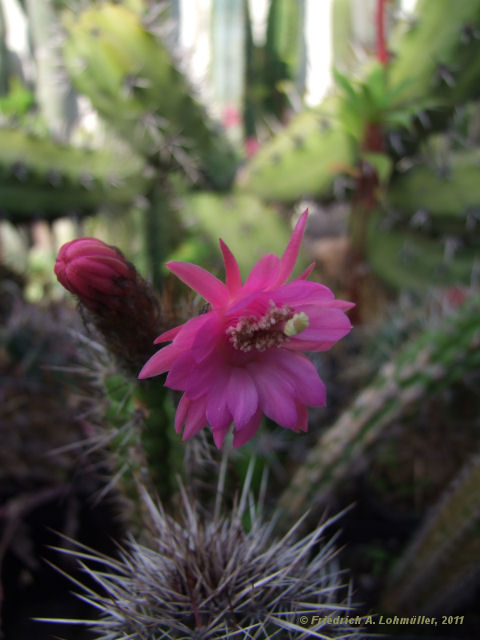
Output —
<point x="296" y="325"/>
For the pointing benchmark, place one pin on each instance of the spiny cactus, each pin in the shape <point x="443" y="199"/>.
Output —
<point x="438" y="54"/>
<point x="432" y="361"/>
<point x="301" y="160"/>
<point x="408" y="259"/>
<point x="129" y="76"/>
<point x="207" y="575"/>
<point x="444" y="554"/>
<point x="247" y="224"/>
<point x="40" y="178"/>
<point x="445" y="189"/>
<point x="123" y="309"/>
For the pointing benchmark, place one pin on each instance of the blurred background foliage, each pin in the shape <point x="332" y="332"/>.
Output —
<point x="160" y="126"/>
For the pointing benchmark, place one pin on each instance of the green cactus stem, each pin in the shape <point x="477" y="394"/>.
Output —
<point x="129" y="76"/>
<point x="410" y="260"/>
<point x="443" y="189"/>
<point x="302" y="160"/>
<point x="40" y="178"/>
<point x="438" y="54"/>
<point x="444" y="554"/>
<point x="434" y="360"/>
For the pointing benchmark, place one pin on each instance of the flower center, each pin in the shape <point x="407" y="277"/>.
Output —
<point x="274" y="328"/>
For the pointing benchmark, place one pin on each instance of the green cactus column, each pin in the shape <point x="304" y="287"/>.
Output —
<point x="40" y="178"/>
<point x="432" y="361"/>
<point x="131" y="79"/>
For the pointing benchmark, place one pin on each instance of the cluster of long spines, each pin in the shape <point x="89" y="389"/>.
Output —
<point x="205" y="575"/>
<point x="40" y="178"/>
<point x="302" y="159"/>
<point x="437" y="358"/>
<point x="129" y="76"/>
<point x="444" y="554"/>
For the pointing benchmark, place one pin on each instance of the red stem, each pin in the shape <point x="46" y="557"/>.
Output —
<point x="382" y="52"/>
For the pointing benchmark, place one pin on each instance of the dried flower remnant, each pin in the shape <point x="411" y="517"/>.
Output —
<point x="120" y="303"/>
<point x="243" y="358"/>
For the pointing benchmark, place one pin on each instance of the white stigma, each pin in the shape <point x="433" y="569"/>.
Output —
<point x="296" y="325"/>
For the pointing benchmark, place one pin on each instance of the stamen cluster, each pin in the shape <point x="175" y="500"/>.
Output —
<point x="261" y="333"/>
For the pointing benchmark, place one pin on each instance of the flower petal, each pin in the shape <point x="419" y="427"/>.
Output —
<point x="233" y="279"/>
<point x="301" y="374"/>
<point x="185" y="334"/>
<point x="195" y="420"/>
<point x="207" y="338"/>
<point x="263" y="275"/>
<point x="245" y="433"/>
<point x="302" y="424"/>
<point x="219" y="436"/>
<point x="242" y="396"/>
<point x="275" y="393"/>
<point x="182" y="410"/>
<point x="326" y="326"/>
<point x="168" y="335"/>
<point x="201" y="281"/>
<point x="217" y="410"/>
<point x="304" y="275"/>
<point x="159" y="362"/>
<point x="180" y="371"/>
<point x="289" y="258"/>
<point x="301" y="292"/>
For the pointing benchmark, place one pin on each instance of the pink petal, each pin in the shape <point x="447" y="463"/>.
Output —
<point x="233" y="279"/>
<point x="301" y="292"/>
<point x="207" y="338"/>
<point x="217" y="410"/>
<point x="304" y="275"/>
<point x="186" y="333"/>
<point x="168" y="335"/>
<point x="180" y="370"/>
<point x="327" y="326"/>
<point x="195" y="420"/>
<point x="343" y="305"/>
<point x="302" y="424"/>
<point x="219" y="436"/>
<point x="181" y="414"/>
<point x="263" y="275"/>
<point x="159" y="362"/>
<point x="242" y="396"/>
<point x="201" y="281"/>
<point x="289" y="258"/>
<point x="202" y="377"/>
<point x="301" y="373"/>
<point x="245" y="433"/>
<point x="275" y="393"/>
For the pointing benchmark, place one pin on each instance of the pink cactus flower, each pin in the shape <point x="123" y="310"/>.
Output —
<point x="93" y="271"/>
<point x="244" y="357"/>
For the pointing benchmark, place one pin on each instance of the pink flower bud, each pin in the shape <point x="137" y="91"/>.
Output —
<point x="94" y="271"/>
<point x="121" y="304"/>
